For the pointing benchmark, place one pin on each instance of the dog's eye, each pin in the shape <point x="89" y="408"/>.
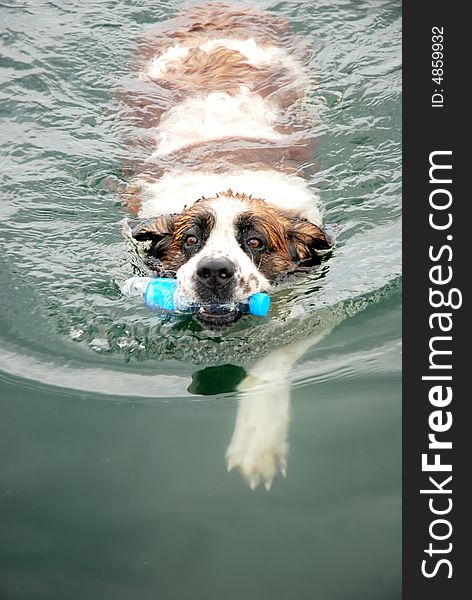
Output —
<point x="191" y="240"/>
<point x="254" y="243"/>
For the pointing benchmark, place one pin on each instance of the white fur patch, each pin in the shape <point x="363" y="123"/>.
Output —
<point x="254" y="54"/>
<point x="175" y="190"/>
<point x="216" y="116"/>
<point x="161" y="64"/>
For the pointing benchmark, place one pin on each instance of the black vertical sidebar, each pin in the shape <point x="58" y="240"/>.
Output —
<point x="436" y="119"/>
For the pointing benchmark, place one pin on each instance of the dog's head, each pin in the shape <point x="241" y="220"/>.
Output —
<point x="226" y="248"/>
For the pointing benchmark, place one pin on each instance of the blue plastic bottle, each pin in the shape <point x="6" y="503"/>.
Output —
<point x="160" y="292"/>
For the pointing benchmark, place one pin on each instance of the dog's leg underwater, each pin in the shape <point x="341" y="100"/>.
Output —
<point x="259" y="444"/>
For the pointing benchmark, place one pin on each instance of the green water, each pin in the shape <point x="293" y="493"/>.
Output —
<point x="113" y="429"/>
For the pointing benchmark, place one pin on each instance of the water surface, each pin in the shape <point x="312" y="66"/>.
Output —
<point x="113" y="427"/>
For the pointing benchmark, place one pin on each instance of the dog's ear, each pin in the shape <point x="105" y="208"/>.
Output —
<point x="158" y="231"/>
<point x="306" y="239"/>
<point x="154" y="229"/>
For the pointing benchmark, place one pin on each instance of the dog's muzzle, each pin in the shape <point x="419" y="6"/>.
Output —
<point x="215" y="273"/>
<point x="214" y="282"/>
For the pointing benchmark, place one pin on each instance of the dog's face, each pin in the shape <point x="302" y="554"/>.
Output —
<point x="224" y="249"/>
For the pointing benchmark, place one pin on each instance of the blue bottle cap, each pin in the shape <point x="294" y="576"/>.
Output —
<point x="259" y="304"/>
<point x="160" y="293"/>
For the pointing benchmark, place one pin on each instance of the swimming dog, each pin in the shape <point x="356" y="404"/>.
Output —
<point x="221" y="197"/>
<point x="219" y="190"/>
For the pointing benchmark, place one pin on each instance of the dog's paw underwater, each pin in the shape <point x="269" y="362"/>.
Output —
<point x="258" y="464"/>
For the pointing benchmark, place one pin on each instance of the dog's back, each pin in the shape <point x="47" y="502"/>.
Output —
<point x="219" y="89"/>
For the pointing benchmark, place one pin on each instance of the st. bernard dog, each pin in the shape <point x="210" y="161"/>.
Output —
<point x="219" y="190"/>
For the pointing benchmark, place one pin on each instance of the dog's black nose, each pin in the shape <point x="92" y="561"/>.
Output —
<point x="215" y="272"/>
